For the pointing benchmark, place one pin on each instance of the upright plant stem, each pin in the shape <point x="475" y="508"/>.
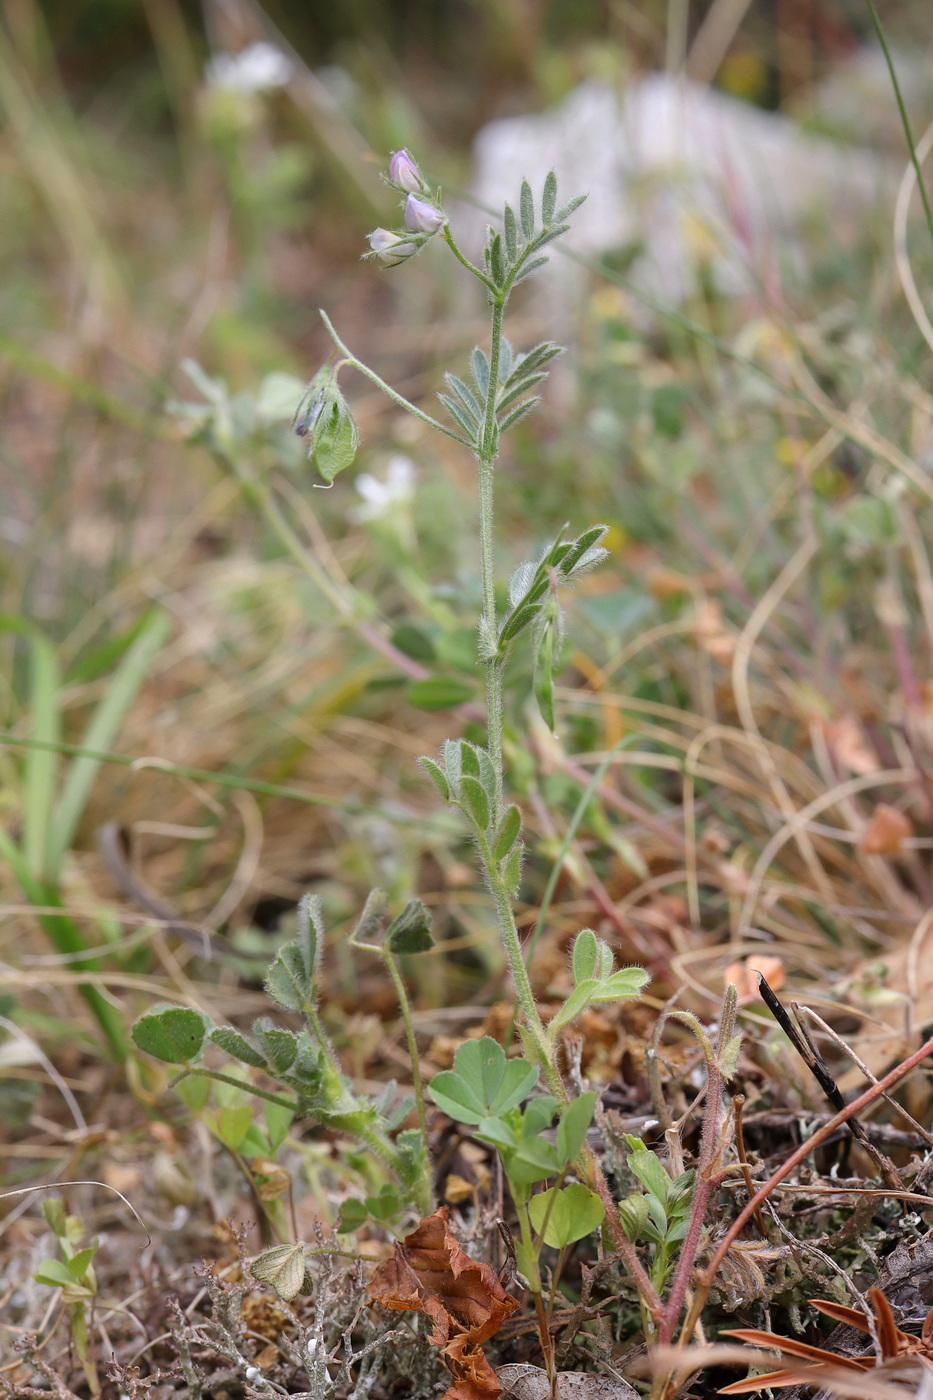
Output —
<point x="425" y="1202"/>
<point x="486" y="456"/>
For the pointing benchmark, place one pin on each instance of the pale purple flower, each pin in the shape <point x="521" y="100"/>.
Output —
<point x="390" y="248"/>
<point x="404" y="173"/>
<point x="422" y="217"/>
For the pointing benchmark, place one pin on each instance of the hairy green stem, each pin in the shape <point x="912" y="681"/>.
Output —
<point x="902" y="111"/>
<point x="485" y="457"/>
<point x="405" y="1008"/>
<point x="197" y="1073"/>
<point x="387" y="389"/>
<point x="706" y="1181"/>
<point x="462" y="258"/>
<point x="513" y="952"/>
<point x="425" y="1200"/>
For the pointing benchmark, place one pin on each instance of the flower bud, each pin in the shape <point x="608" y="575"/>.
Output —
<point x="422" y="217"/>
<point x="390" y="248"/>
<point x="404" y="173"/>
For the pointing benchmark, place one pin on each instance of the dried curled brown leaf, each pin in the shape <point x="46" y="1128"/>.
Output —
<point x="430" y="1272"/>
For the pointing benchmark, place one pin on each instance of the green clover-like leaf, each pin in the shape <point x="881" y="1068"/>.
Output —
<point x="482" y="1083"/>
<point x="565" y="1214"/>
<point x="175" y="1034"/>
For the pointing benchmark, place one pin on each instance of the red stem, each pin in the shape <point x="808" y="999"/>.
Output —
<point x="706" y="1180"/>
<point x="796" y="1157"/>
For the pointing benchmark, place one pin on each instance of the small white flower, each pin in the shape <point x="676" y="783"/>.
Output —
<point x="253" y="69"/>
<point x="380" y="496"/>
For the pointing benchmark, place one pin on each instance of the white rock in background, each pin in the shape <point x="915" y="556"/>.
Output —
<point x="686" y="172"/>
<point x="855" y="100"/>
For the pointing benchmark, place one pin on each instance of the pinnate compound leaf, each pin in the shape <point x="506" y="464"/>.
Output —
<point x="565" y="1214"/>
<point x="410" y="931"/>
<point x="430" y="1272"/>
<point x="482" y="1083"/>
<point x="287" y="981"/>
<point x="237" y="1046"/>
<point x="175" y="1034"/>
<point x="283" y="1268"/>
<point x="462" y="417"/>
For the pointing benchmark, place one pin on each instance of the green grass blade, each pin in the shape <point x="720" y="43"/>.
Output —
<point x="40" y="766"/>
<point x="122" y="689"/>
<point x="902" y="111"/>
<point x="236" y="782"/>
<point x="40" y="770"/>
<point x="66" y="938"/>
